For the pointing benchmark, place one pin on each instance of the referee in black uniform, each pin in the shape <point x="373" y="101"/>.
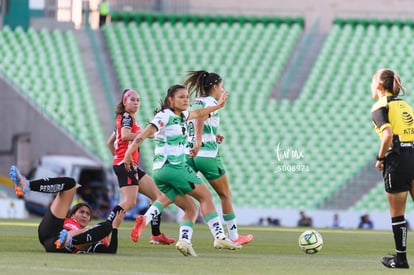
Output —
<point x="393" y="120"/>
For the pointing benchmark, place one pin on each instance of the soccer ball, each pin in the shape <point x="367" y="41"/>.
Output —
<point x="310" y="242"/>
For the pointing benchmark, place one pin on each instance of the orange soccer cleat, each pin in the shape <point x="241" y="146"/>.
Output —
<point x="138" y="228"/>
<point x="244" y="239"/>
<point x="161" y="239"/>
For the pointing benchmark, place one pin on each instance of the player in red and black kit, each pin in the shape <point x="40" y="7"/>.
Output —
<point x="77" y="222"/>
<point x="137" y="180"/>
<point x="59" y="233"/>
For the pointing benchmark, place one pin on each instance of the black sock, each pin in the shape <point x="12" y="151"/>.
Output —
<point x="399" y="228"/>
<point x="111" y="215"/>
<point x="52" y="185"/>
<point x="93" y="234"/>
<point x="155" y="225"/>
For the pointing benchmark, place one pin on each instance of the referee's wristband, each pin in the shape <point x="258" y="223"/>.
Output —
<point x="380" y="159"/>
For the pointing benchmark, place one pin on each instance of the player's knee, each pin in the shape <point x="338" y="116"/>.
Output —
<point x="128" y="204"/>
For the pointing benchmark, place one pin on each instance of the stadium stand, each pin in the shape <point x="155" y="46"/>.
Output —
<point x="250" y="53"/>
<point x="339" y="77"/>
<point x="48" y="67"/>
<point x="149" y="52"/>
<point x="288" y="154"/>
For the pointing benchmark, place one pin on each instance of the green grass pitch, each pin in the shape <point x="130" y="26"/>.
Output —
<point x="274" y="250"/>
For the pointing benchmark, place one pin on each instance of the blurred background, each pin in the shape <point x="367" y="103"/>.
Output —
<point x="298" y="133"/>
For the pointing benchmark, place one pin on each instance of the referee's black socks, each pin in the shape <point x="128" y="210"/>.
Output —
<point x="399" y="228"/>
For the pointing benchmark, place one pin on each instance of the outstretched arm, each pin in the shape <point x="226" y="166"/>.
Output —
<point x="206" y="111"/>
<point x="148" y="132"/>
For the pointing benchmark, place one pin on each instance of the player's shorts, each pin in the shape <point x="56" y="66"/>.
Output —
<point x="48" y="231"/>
<point x="399" y="170"/>
<point x="173" y="180"/>
<point x="126" y="178"/>
<point x="211" y="168"/>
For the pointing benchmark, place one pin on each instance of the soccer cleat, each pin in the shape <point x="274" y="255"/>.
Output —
<point x="138" y="228"/>
<point x="22" y="185"/>
<point x="161" y="239"/>
<point x="244" y="239"/>
<point x="391" y="262"/>
<point x="226" y="243"/>
<point x="63" y="240"/>
<point x="186" y="248"/>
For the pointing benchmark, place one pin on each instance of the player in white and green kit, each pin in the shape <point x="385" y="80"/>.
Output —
<point x="171" y="173"/>
<point x="203" y="141"/>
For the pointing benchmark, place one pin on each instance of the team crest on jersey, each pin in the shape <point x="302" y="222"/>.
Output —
<point x="160" y="123"/>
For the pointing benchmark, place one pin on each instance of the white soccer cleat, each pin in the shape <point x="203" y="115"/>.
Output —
<point x="186" y="248"/>
<point x="226" y="243"/>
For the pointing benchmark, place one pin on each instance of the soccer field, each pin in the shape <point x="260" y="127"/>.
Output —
<point x="274" y="250"/>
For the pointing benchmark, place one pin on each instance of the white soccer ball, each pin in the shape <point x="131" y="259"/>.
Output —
<point x="310" y="242"/>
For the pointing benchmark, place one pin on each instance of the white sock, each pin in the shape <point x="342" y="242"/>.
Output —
<point x="152" y="212"/>
<point x="232" y="229"/>
<point x="186" y="233"/>
<point x="216" y="228"/>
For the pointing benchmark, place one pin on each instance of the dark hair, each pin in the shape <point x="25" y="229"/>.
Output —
<point x="390" y="81"/>
<point x="76" y="208"/>
<point x="120" y="108"/>
<point x="170" y="94"/>
<point x="200" y="82"/>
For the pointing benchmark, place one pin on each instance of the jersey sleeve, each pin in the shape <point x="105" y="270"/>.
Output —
<point x="197" y="104"/>
<point x="160" y="120"/>
<point x="71" y="224"/>
<point x="126" y="121"/>
<point x="380" y="118"/>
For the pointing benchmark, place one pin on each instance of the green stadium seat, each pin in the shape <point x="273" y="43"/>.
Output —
<point x="48" y="67"/>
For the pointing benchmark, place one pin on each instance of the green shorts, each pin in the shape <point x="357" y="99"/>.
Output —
<point x="211" y="168"/>
<point x="173" y="180"/>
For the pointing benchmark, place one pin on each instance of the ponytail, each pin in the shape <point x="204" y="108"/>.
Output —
<point x="391" y="82"/>
<point x="397" y="86"/>
<point x="200" y="82"/>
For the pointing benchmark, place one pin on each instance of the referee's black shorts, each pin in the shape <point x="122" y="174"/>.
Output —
<point x="126" y="178"/>
<point x="398" y="170"/>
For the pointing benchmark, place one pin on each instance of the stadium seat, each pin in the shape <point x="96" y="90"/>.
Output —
<point x="47" y="65"/>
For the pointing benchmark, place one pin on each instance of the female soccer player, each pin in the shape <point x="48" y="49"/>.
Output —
<point x="137" y="180"/>
<point x="61" y="233"/>
<point x="393" y="120"/>
<point x="171" y="173"/>
<point x="203" y="140"/>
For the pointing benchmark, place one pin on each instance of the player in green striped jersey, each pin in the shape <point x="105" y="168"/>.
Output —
<point x="203" y="140"/>
<point x="171" y="173"/>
